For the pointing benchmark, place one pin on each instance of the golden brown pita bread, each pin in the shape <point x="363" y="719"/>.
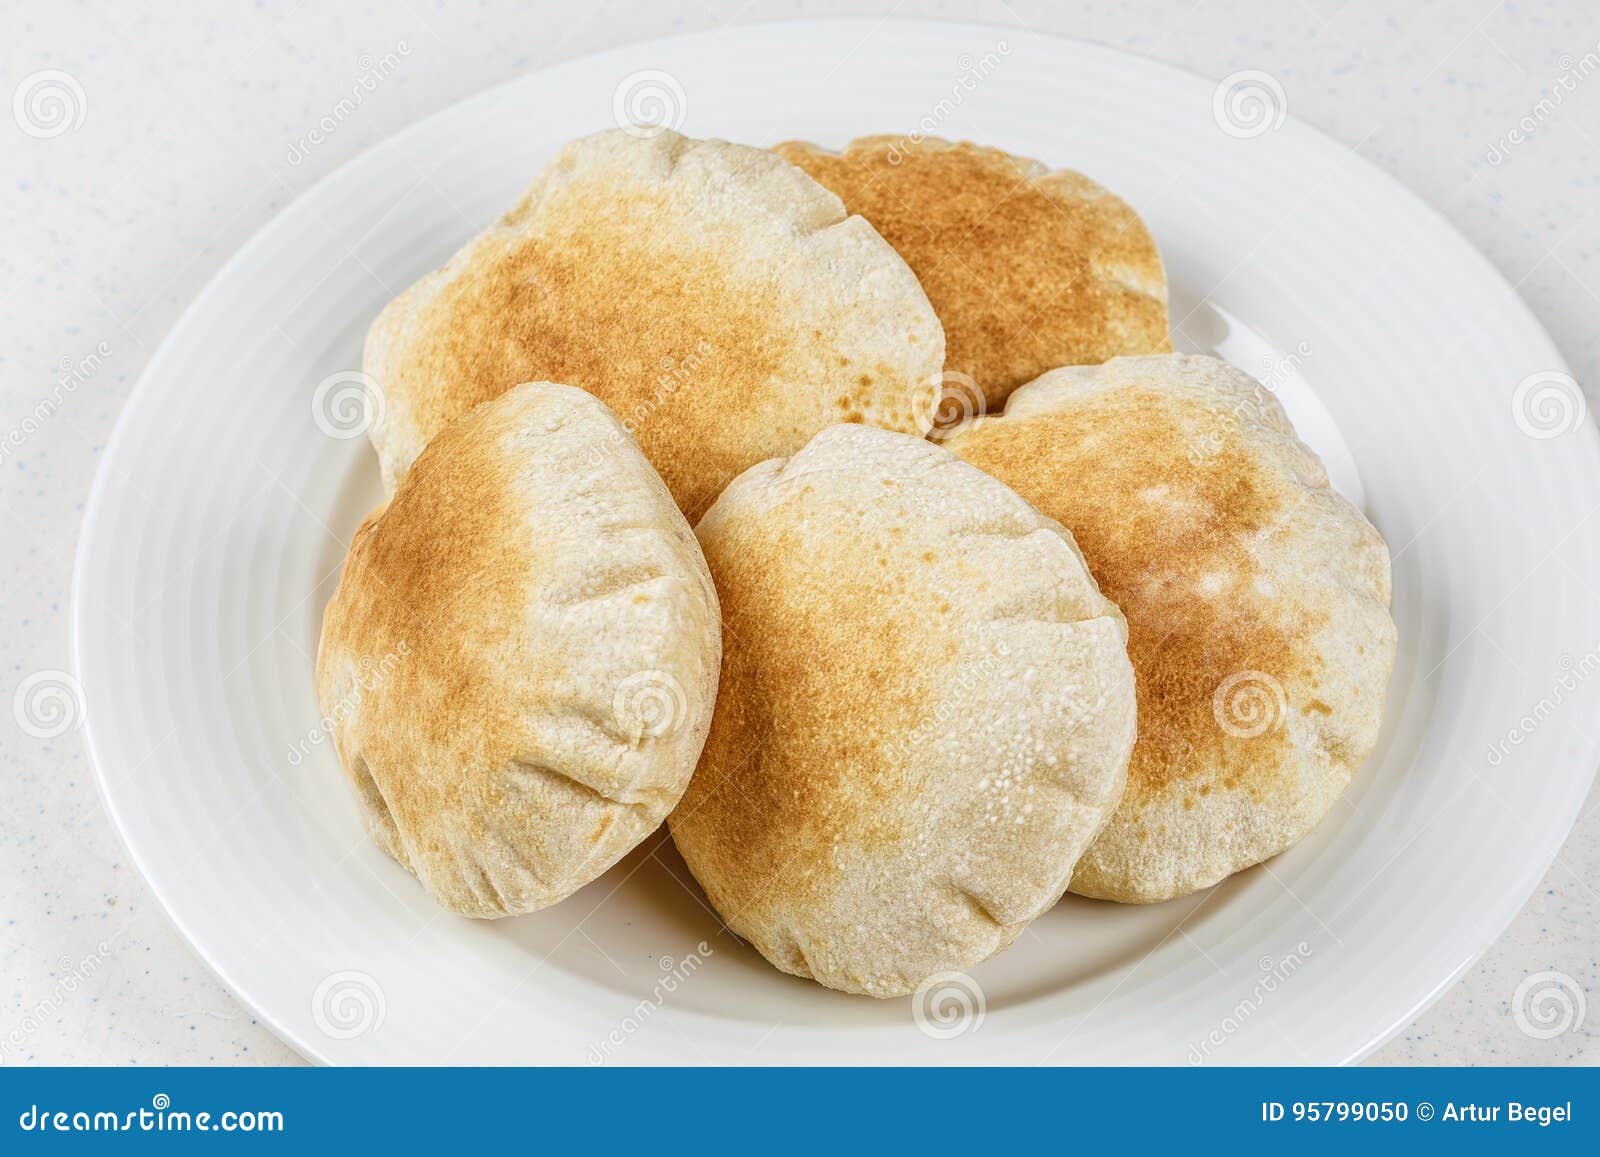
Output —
<point x="521" y="659"/>
<point x="715" y="298"/>
<point x="1028" y="268"/>
<point x="925" y="713"/>
<point x="1257" y="604"/>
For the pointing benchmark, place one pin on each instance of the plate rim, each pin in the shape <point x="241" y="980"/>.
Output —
<point x="117" y="444"/>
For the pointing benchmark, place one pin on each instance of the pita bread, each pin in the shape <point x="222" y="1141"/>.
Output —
<point x="1257" y="603"/>
<point x="1028" y="268"/>
<point x="521" y="659"/>
<point x="925" y="713"/>
<point x="716" y="298"/>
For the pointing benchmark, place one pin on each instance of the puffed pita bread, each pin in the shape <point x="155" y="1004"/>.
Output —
<point x="521" y="658"/>
<point x="1028" y="268"/>
<point x="925" y="713"/>
<point x="715" y="297"/>
<point x="1257" y="602"/>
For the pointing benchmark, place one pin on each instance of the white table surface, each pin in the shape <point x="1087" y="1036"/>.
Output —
<point x="187" y="144"/>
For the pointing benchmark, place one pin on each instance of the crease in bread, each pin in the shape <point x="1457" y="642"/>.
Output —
<point x="717" y="299"/>
<point x="925" y="713"/>
<point x="1257" y="601"/>
<point x="549" y="641"/>
<point x="1028" y="268"/>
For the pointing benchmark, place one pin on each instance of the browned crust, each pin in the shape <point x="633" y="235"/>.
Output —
<point x="1215" y="533"/>
<point x="1028" y="269"/>
<point x="529" y="573"/>
<point x="716" y="299"/>
<point x="924" y="714"/>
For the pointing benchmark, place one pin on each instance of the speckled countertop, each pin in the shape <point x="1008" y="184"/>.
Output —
<point x="176" y="142"/>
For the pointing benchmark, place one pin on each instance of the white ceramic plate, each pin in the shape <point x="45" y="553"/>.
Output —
<point x="220" y="517"/>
